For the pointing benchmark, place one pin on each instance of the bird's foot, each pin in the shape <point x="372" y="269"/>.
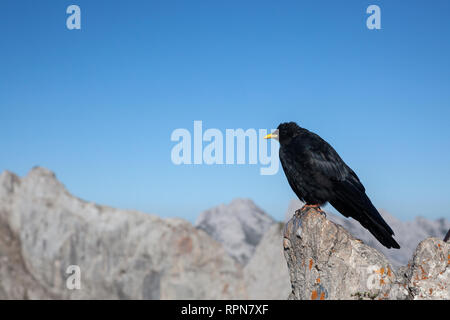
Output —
<point x="315" y="206"/>
<point x="307" y="206"/>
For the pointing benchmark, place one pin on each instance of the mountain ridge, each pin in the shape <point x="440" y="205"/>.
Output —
<point x="127" y="254"/>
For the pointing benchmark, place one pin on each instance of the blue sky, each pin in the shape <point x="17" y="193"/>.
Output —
<point x="98" y="105"/>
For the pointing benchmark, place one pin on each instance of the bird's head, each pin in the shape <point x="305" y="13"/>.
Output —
<point x="284" y="133"/>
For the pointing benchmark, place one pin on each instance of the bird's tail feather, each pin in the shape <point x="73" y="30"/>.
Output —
<point x="359" y="207"/>
<point x="378" y="231"/>
<point x="382" y="235"/>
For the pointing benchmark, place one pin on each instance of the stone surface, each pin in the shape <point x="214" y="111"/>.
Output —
<point x="122" y="254"/>
<point x="15" y="280"/>
<point x="326" y="262"/>
<point x="428" y="274"/>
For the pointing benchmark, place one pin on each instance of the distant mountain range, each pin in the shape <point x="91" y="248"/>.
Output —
<point x="125" y="254"/>
<point x="233" y="251"/>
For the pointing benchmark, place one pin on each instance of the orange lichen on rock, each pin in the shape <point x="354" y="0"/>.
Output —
<point x="381" y="271"/>
<point x="318" y="280"/>
<point x="310" y="264"/>
<point x="389" y="272"/>
<point x="314" y="295"/>
<point x="322" y="296"/>
<point x="424" y="274"/>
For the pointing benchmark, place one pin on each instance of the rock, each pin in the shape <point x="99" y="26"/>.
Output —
<point x="238" y="226"/>
<point x="15" y="280"/>
<point x="327" y="262"/>
<point x="408" y="234"/>
<point x="122" y="254"/>
<point x="447" y="236"/>
<point x="428" y="274"/>
<point x="266" y="274"/>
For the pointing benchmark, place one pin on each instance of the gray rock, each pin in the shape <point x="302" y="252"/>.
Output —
<point x="327" y="262"/>
<point x="122" y="254"/>
<point x="266" y="274"/>
<point x="15" y="280"/>
<point x="238" y="226"/>
<point x="408" y="234"/>
<point x="428" y="274"/>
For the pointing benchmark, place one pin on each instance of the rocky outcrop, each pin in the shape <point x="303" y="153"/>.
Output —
<point x="238" y="226"/>
<point x="121" y="254"/>
<point x="327" y="262"/>
<point x="408" y="234"/>
<point x="427" y="276"/>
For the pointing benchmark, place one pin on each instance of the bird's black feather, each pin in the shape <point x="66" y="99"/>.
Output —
<point x="317" y="174"/>
<point x="447" y="236"/>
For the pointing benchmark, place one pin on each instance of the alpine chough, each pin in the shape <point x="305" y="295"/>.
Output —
<point x="317" y="175"/>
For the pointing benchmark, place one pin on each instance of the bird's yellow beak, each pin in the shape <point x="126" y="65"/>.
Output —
<point x="271" y="136"/>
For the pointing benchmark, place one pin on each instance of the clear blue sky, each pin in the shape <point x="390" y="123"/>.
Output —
<point x="98" y="105"/>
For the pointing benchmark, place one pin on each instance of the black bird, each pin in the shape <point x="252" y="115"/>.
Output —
<point x="317" y="175"/>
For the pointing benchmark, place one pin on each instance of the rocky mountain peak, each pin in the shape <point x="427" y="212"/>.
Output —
<point x="121" y="254"/>
<point x="239" y="226"/>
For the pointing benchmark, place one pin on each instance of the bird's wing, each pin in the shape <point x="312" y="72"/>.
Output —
<point x="325" y="161"/>
<point x="349" y="196"/>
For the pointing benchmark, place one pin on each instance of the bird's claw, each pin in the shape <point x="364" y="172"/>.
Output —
<point x="315" y="206"/>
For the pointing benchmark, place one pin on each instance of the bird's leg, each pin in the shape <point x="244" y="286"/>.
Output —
<point x="307" y="206"/>
<point x="316" y="206"/>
